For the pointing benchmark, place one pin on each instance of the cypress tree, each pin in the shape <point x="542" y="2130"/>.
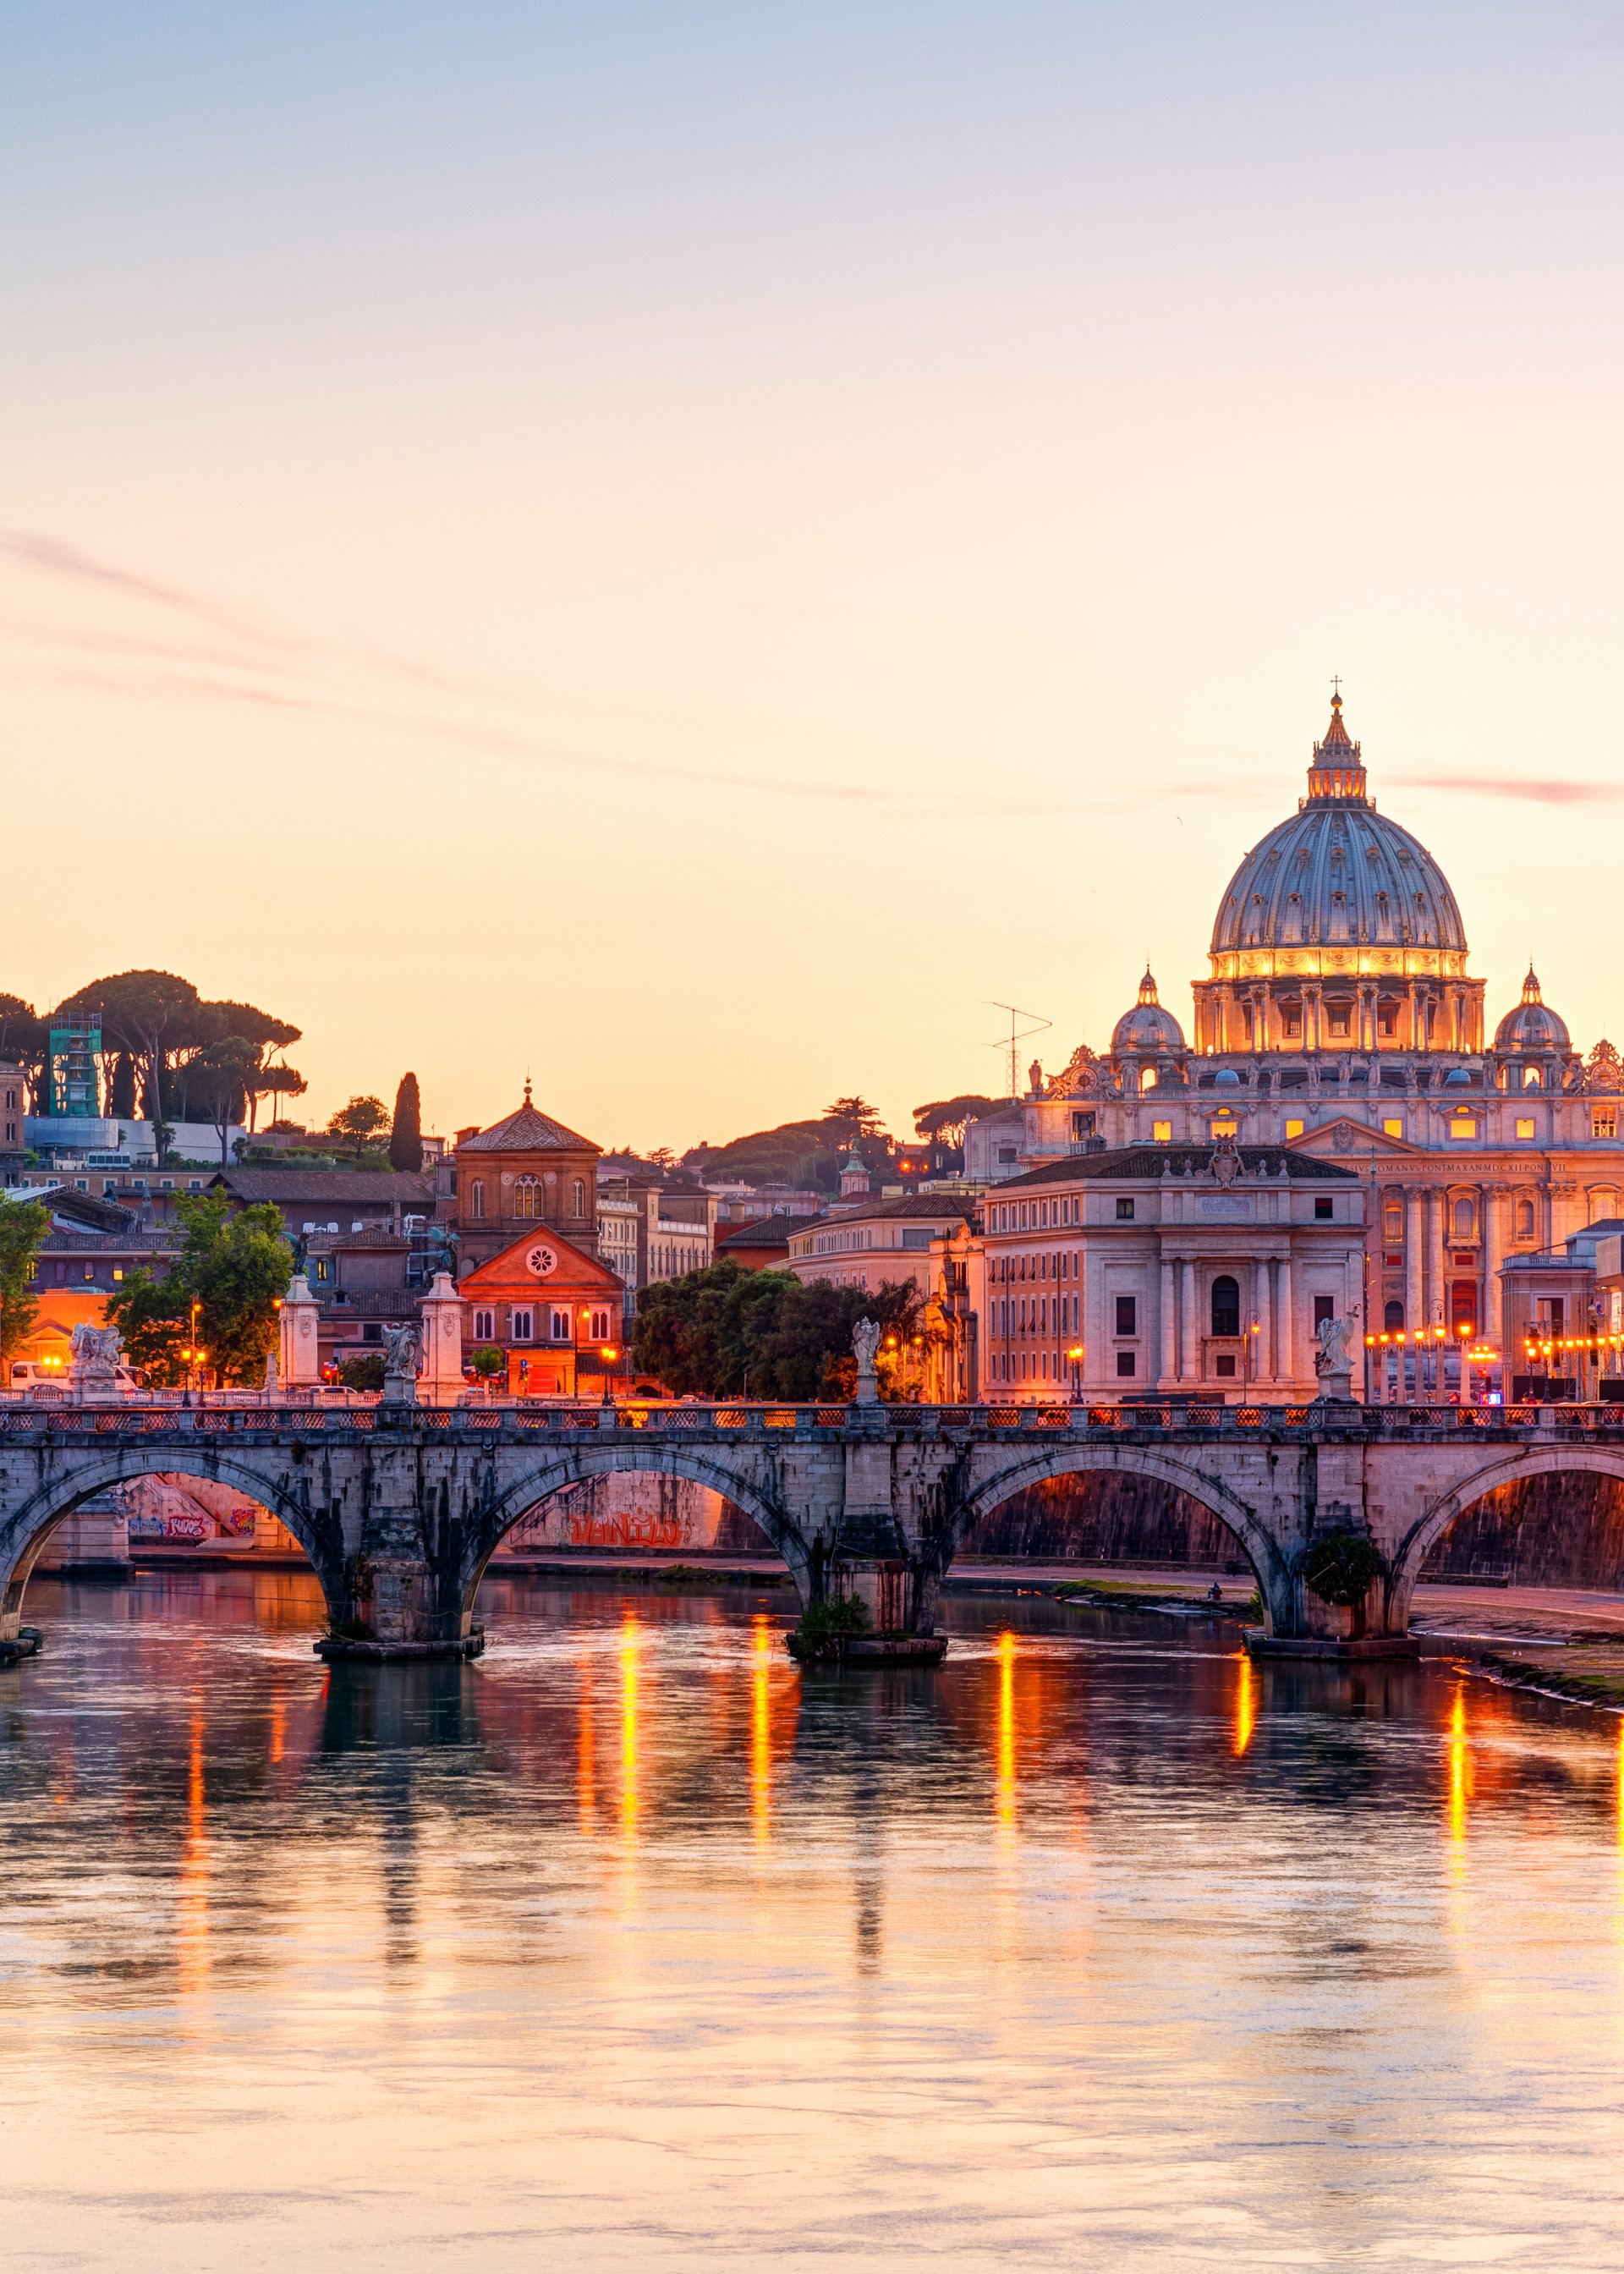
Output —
<point x="406" y="1134"/>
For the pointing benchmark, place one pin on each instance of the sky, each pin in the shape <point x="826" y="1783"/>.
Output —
<point x="690" y="551"/>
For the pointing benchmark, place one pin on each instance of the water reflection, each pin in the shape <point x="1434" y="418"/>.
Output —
<point x="628" y="1930"/>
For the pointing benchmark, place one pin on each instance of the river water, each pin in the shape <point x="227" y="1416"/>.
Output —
<point x="629" y="1947"/>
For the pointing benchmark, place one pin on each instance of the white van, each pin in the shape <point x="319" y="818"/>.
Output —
<point x="34" y="1374"/>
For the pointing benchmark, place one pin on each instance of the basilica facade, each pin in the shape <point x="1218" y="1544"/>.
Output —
<point x="1339" y="1019"/>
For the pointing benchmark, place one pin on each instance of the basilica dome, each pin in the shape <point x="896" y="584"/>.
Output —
<point x="1338" y="873"/>
<point x="1532" y="1026"/>
<point x="1147" y="1027"/>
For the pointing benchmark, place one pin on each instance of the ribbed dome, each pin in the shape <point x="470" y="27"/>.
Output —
<point x="1338" y="872"/>
<point x="1532" y="1026"/>
<point x="1147" y="1027"/>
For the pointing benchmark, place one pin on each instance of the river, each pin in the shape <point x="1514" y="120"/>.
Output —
<point x="629" y="1947"/>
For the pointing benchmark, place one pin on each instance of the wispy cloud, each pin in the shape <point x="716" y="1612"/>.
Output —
<point x="1531" y="789"/>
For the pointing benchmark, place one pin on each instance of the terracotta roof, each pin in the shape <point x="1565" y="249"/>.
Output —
<point x="762" y="1232"/>
<point x="527" y="1131"/>
<point x="1178" y="1160"/>
<point x="934" y="1207"/>
<point x="306" y="1187"/>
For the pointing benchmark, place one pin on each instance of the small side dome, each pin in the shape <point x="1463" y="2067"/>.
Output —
<point x="1226" y="1078"/>
<point x="1147" y="1027"/>
<point x="1457" y="1077"/>
<point x="1532" y="1026"/>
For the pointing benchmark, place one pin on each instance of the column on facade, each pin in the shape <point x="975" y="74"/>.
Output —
<point x="1264" y="1338"/>
<point x="1168" y="1322"/>
<point x="1492" y="1199"/>
<point x="1283" y="1365"/>
<point x="1437" y="1229"/>
<point x="1188" y="1343"/>
<point x="1415" y="1219"/>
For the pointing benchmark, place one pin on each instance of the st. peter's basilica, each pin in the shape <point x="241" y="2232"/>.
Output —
<point x="1339" y="1019"/>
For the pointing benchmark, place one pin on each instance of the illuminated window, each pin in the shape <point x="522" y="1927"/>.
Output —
<point x="1294" y="1129"/>
<point x="1525" y="1124"/>
<point x="1161" y="1132"/>
<point x="1605" y="1121"/>
<point x="1225" y="1126"/>
<point x="1463" y="1125"/>
<point x="1531" y="1078"/>
<point x="1393" y="1127"/>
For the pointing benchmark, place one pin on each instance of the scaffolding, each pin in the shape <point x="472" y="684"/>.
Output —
<point x="75" y="1046"/>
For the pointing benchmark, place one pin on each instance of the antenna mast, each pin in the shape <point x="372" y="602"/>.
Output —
<point x="1017" y="1036"/>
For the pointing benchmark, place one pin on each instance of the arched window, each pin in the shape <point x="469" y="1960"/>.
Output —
<point x="1226" y="1306"/>
<point x="1393" y="1318"/>
<point x="527" y="1196"/>
<point x="1525" y="1219"/>
<point x="475" y="1196"/>
<point x="1532" y="1078"/>
<point x="1464" y="1218"/>
<point x="1604" y="1203"/>
<point x="577" y="1197"/>
<point x="1393" y="1222"/>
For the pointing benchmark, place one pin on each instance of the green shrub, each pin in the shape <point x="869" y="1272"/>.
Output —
<point x="834" y="1617"/>
<point x="1340" y="1567"/>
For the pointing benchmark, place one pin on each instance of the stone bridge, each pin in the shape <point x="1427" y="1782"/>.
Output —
<point x="400" y="1506"/>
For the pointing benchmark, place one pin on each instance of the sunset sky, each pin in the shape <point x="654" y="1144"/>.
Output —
<point x="686" y="548"/>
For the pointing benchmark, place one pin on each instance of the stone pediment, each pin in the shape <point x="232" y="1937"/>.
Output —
<point x="1338" y="1138"/>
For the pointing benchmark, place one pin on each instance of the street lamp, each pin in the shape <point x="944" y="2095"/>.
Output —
<point x="1075" y="1354"/>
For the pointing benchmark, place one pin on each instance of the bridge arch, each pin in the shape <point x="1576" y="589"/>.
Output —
<point x="577" y="1465"/>
<point x="1014" y="1474"/>
<point x="1434" y="1520"/>
<point x="25" y="1529"/>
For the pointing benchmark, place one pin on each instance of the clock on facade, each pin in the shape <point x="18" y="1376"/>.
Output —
<point x="541" y="1259"/>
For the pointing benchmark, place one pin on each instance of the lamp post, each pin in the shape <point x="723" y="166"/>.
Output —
<point x="608" y="1353"/>
<point x="1464" y="1331"/>
<point x="1075" y="1355"/>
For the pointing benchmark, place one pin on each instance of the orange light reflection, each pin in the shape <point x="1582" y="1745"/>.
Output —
<point x="1245" y="1704"/>
<point x="761" y="1728"/>
<point x="191" y="1901"/>
<point x="1004" y="1797"/>
<point x="630" y="1643"/>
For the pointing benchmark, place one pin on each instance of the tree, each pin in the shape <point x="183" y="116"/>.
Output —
<point x="488" y="1363"/>
<point x="363" y="1372"/>
<point x="358" y="1121"/>
<point x="859" y="1116"/>
<point x="235" y="1268"/>
<point x="722" y="1331"/>
<point x="23" y="1225"/>
<point x="25" y="1038"/>
<point x="143" y="1013"/>
<point x="944" y="1122"/>
<point x="218" y="1081"/>
<point x="406" y="1130"/>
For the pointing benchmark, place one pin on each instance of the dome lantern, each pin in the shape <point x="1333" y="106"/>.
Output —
<point x="1337" y="769"/>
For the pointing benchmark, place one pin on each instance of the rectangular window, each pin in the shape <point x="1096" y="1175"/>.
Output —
<point x="1393" y="1127"/>
<point x="1127" y="1315"/>
<point x="1124" y="1211"/>
<point x="1293" y="1129"/>
<point x="523" y="1326"/>
<point x="1223" y="1367"/>
<point x="1325" y="1307"/>
<point x="1161" y="1132"/>
<point x="1525" y="1126"/>
<point x="1605" y="1121"/>
<point x="1323" y="1211"/>
<point x="1125" y="1365"/>
<point x="485" y="1326"/>
<point x="1461" y="1125"/>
